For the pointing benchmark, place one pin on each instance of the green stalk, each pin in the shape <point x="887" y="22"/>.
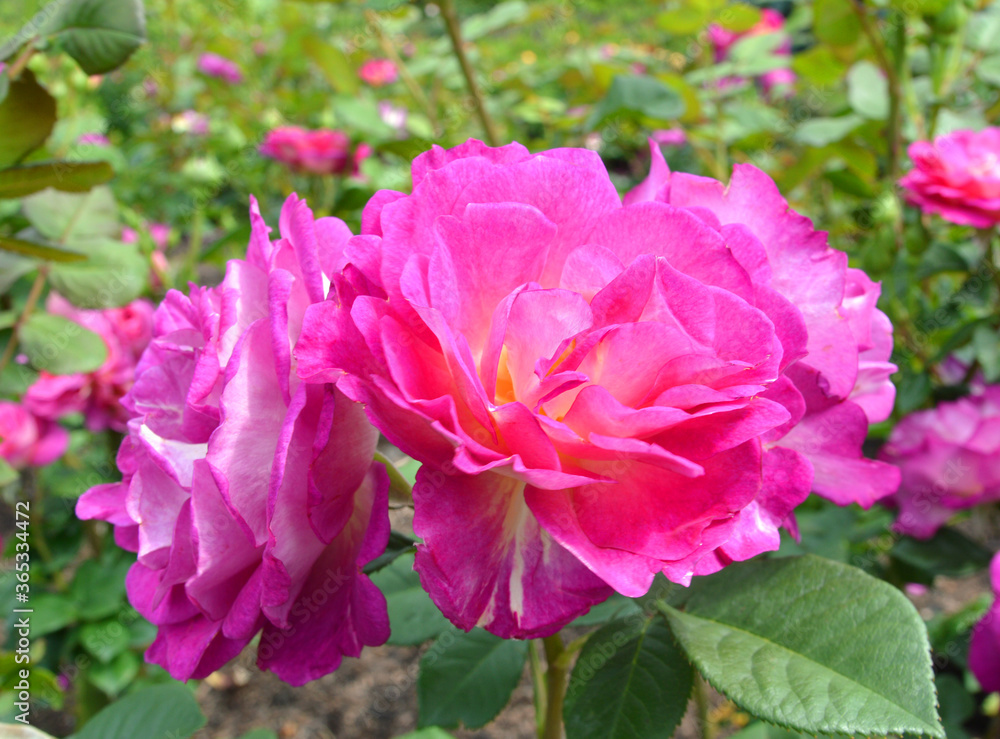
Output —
<point x="454" y="29"/>
<point x="555" y="686"/>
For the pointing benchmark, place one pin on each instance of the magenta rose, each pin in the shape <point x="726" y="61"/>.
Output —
<point x="251" y="498"/>
<point x="97" y="395"/>
<point x="984" y="648"/>
<point x="29" y="441"/>
<point x="378" y="72"/>
<point x="321" y="151"/>
<point x="957" y="176"/>
<point x="950" y="460"/>
<point x="600" y="391"/>
<point x="214" y="65"/>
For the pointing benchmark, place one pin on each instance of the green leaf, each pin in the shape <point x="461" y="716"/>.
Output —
<point x="948" y="553"/>
<point x="99" y="589"/>
<point x="631" y="681"/>
<point x="16" y="182"/>
<point x="113" y="677"/>
<point x="99" y="34"/>
<point x="399" y="544"/>
<point x="413" y="617"/>
<point x="431" y="732"/>
<point x="957" y="706"/>
<point x="868" y="91"/>
<point x="52" y="612"/>
<point x="683" y="20"/>
<point x="114" y="274"/>
<point x="812" y="645"/>
<point x="835" y="22"/>
<point x="468" y="678"/>
<point x="986" y="345"/>
<point x="760" y="730"/>
<point x="617" y="606"/>
<point x="158" y="712"/>
<point x="27" y="116"/>
<point x="68" y="218"/>
<point x="39" y="251"/>
<point x="819" y="65"/>
<point x="333" y="63"/>
<point x="637" y="95"/>
<point x="104" y="640"/>
<point x="940" y="258"/>
<point x="61" y="346"/>
<point x="988" y="70"/>
<point x="823" y="131"/>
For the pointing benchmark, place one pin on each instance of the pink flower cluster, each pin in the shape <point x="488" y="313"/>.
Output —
<point x="126" y="332"/>
<point x="771" y="21"/>
<point x="949" y="457"/>
<point x="378" y="72"/>
<point x="322" y="151"/>
<point x="599" y="390"/>
<point x="957" y="176"/>
<point x="250" y="498"/>
<point x="29" y="441"/>
<point x="214" y="65"/>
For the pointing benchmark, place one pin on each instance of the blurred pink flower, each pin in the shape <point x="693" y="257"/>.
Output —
<point x="95" y="139"/>
<point x="251" y="498"/>
<point x="126" y="332"/>
<point x="669" y="137"/>
<point x="771" y="21"/>
<point x="190" y="121"/>
<point x="160" y="233"/>
<point x="950" y="460"/>
<point x="957" y="176"/>
<point x="600" y="389"/>
<point x="219" y="67"/>
<point x="393" y="116"/>
<point x="378" y="72"/>
<point x="26" y="440"/>
<point x="129" y="235"/>
<point x="984" y="648"/>
<point x="321" y="151"/>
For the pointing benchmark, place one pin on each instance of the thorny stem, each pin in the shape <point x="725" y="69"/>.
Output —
<point x="555" y="686"/>
<point x="455" y="34"/>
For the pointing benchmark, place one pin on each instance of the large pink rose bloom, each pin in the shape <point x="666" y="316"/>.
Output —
<point x="251" y="498"/>
<point x="126" y="332"/>
<point x="958" y="177"/>
<point x="984" y="648"/>
<point x="600" y="391"/>
<point x="950" y="460"/>
<point x="26" y="440"/>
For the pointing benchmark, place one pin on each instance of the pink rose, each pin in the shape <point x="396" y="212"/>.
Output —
<point x="950" y="460"/>
<point x="126" y="332"/>
<point x="251" y="498"/>
<point x="984" y="648"/>
<point x="321" y="151"/>
<point x="957" y="176"/>
<point x="160" y="234"/>
<point x="214" y="65"/>
<point x="378" y="72"/>
<point x="26" y="440"/>
<point x="600" y="391"/>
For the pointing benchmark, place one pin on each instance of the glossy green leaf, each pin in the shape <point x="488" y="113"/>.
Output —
<point x="760" y="730"/>
<point x="27" y="115"/>
<point x="812" y="645"/>
<point x="158" y="712"/>
<point x="413" y="617"/>
<point x="868" y="91"/>
<point x="468" y="678"/>
<point x="39" y="251"/>
<point x="60" y="346"/>
<point x="631" y="681"/>
<point x="99" y="34"/>
<point x="16" y="182"/>
<point x="637" y="95"/>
